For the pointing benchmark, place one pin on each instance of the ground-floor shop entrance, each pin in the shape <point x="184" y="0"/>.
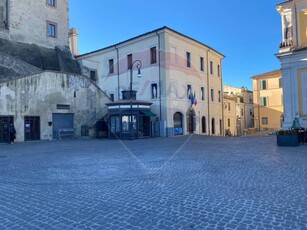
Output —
<point x="62" y="121"/>
<point x="5" y="121"/>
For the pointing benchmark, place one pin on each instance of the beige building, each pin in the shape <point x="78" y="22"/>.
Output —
<point x="244" y="107"/>
<point x="230" y="115"/>
<point x="41" y="22"/>
<point x="268" y="100"/>
<point x="42" y="91"/>
<point x="293" y="58"/>
<point x="174" y="68"/>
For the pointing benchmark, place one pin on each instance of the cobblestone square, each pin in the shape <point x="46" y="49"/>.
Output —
<point x="187" y="182"/>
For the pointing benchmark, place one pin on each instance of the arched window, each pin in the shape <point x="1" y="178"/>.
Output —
<point x="213" y="126"/>
<point x="178" y="127"/>
<point x="203" y="124"/>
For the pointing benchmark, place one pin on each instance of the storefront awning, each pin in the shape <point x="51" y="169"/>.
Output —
<point x="148" y="113"/>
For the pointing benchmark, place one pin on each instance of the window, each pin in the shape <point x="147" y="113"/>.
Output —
<point x="228" y="106"/>
<point x="93" y="75"/>
<point x="51" y="3"/>
<point x="51" y="29"/>
<point x="154" y="90"/>
<point x="211" y="67"/>
<point x="264" y="101"/>
<point x="153" y="55"/>
<point x="189" y="91"/>
<point x="212" y="94"/>
<point x="112" y="96"/>
<point x="188" y="59"/>
<point x="201" y="64"/>
<point x="202" y="93"/>
<point x="62" y="106"/>
<point x="219" y="94"/>
<point x="129" y="61"/>
<point x="111" y="66"/>
<point x="280" y="82"/>
<point x="263" y="84"/>
<point x="115" y="124"/>
<point x="218" y="70"/>
<point x="228" y="122"/>
<point x="265" y="120"/>
<point x="213" y="125"/>
<point x="242" y="112"/>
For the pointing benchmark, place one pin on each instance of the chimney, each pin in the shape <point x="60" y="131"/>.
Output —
<point x="73" y="41"/>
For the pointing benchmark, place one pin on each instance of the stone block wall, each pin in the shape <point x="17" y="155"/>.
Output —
<point x="28" y="22"/>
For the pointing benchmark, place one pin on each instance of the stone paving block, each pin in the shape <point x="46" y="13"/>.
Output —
<point x="205" y="183"/>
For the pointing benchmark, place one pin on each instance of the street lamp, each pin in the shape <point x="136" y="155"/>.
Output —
<point x="138" y="65"/>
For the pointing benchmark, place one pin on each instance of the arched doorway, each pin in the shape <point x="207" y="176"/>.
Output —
<point x="203" y="125"/>
<point x="178" y="126"/>
<point x="191" y="121"/>
<point x="213" y="126"/>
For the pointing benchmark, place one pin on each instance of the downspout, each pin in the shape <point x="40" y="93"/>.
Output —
<point x="117" y="53"/>
<point x="160" y="100"/>
<point x="209" y="90"/>
<point x="118" y="85"/>
<point x="222" y="100"/>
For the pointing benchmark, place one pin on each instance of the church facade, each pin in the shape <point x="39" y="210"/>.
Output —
<point x="293" y="57"/>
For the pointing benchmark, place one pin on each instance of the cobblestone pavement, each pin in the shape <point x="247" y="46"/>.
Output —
<point x="188" y="182"/>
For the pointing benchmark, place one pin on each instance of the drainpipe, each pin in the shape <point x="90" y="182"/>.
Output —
<point x="160" y="100"/>
<point x="117" y="53"/>
<point x="222" y="100"/>
<point x="209" y="90"/>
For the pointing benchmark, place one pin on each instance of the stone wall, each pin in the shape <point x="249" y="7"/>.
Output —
<point x="25" y="27"/>
<point x="39" y="95"/>
<point x="11" y="68"/>
<point x="57" y="59"/>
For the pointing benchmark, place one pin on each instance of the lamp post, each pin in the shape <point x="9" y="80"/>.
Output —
<point x="138" y="65"/>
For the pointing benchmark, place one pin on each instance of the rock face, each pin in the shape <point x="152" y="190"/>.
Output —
<point x="19" y="59"/>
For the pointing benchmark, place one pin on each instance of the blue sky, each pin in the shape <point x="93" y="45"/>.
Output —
<point x="248" y="33"/>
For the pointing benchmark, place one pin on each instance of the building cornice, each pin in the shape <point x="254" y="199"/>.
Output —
<point x="143" y="36"/>
<point x="271" y="74"/>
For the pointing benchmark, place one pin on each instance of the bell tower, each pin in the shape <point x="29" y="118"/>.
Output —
<point x="294" y="24"/>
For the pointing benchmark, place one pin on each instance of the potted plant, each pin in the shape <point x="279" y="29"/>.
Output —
<point x="287" y="137"/>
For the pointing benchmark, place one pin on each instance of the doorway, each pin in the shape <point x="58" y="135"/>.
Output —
<point x="191" y="121"/>
<point x="5" y="121"/>
<point x="32" y="128"/>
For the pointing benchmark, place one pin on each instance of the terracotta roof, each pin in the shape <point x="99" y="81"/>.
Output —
<point x="268" y="74"/>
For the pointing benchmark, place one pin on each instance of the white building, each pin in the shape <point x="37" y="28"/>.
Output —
<point x="174" y="68"/>
<point x="293" y="57"/>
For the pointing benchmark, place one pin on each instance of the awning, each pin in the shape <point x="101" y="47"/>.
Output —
<point x="148" y="113"/>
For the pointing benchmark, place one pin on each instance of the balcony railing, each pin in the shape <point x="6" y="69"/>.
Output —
<point x="286" y="43"/>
